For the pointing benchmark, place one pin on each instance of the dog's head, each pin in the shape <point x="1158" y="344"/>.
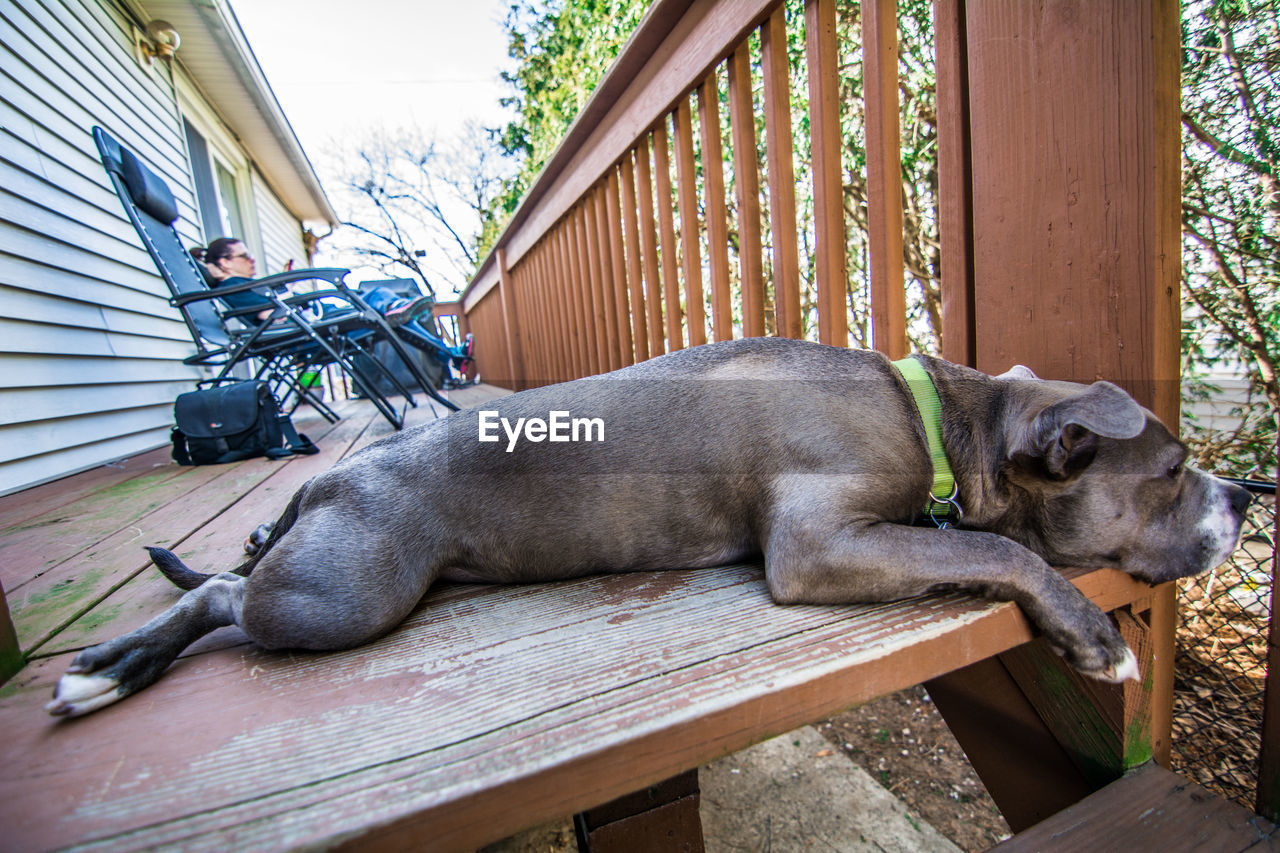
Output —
<point x="1096" y="480"/>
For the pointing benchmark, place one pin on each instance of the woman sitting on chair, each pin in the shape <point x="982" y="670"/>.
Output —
<point x="229" y="262"/>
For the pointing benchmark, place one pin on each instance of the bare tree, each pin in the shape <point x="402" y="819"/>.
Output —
<point x="413" y="206"/>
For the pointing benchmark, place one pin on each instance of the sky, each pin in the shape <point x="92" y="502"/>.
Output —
<point x="341" y="69"/>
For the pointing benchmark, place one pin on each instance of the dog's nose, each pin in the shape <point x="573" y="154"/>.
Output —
<point x="1239" y="499"/>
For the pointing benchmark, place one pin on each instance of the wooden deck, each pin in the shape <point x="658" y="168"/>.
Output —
<point x="490" y="710"/>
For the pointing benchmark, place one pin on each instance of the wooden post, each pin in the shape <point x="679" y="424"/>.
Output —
<point x="662" y="818"/>
<point x="10" y="655"/>
<point x="1062" y="236"/>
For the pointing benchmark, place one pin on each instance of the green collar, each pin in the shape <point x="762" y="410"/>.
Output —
<point x="942" y="506"/>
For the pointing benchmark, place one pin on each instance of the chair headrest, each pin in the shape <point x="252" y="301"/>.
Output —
<point x="148" y="191"/>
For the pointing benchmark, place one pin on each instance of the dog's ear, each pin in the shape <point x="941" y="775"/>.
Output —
<point x="1018" y="371"/>
<point x="1063" y="437"/>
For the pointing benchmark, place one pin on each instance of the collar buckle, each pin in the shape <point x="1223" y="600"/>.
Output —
<point x="944" y="512"/>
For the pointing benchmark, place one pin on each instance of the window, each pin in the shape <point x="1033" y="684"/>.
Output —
<point x="217" y="193"/>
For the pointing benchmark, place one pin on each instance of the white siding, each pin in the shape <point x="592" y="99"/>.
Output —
<point x="281" y="232"/>
<point x="90" y="351"/>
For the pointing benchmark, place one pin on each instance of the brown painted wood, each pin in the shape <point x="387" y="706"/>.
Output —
<point x="666" y="230"/>
<point x="822" y="57"/>
<point x="1079" y="279"/>
<point x="39" y="500"/>
<point x="511" y="327"/>
<point x="662" y="818"/>
<point x="690" y="232"/>
<point x="1022" y="765"/>
<point x="716" y="212"/>
<point x="884" y="177"/>
<point x="1149" y="809"/>
<point x="531" y="267"/>
<point x="597" y="248"/>
<point x="634" y="254"/>
<point x="11" y="657"/>
<point x="573" y="327"/>
<point x="640" y="677"/>
<point x="597" y="361"/>
<point x="955" y="192"/>
<point x="782" y="177"/>
<point x="649" y="246"/>
<point x="30" y="549"/>
<point x="1081" y="275"/>
<point x="66" y="590"/>
<point x="746" y="181"/>
<point x="622" y="307"/>
<point x="562" y="331"/>
<point x="675" y="46"/>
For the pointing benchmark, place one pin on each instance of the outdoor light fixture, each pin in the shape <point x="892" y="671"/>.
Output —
<point x="159" y="41"/>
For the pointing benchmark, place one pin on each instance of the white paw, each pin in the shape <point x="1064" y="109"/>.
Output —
<point x="1124" y="671"/>
<point x="79" y="694"/>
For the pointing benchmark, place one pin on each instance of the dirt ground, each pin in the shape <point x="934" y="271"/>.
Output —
<point x="901" y="740"/>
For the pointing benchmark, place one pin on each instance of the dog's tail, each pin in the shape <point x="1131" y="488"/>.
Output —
<point x="185" y="578"/>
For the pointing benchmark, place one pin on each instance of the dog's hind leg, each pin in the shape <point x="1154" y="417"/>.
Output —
<point x="108" y="672"/>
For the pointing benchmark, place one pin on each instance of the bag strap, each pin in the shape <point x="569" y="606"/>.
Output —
<point x="295" y="442"/>
<point x="179" y="440"/>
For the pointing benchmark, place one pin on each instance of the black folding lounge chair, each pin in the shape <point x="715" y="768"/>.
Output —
<point x="285" y="346"/>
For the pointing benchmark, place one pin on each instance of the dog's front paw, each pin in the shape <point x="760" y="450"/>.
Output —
<point x="1091" y="644"/>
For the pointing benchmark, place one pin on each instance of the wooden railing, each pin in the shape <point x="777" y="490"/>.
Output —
<point x="1058" y="214"/>
<point x="612" y="259"/>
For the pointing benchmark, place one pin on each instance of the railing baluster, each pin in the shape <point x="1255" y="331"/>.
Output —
<point x="577" y="344"/>
<point x="746" y="181"/>
<point x="690" y="239"/>
<point x="581" y="265"/>
<point x="828" y="198"/>
<point x="667" y="230"/>
<point x="717" y="215"/>
<point x="631" y="229"/>
<point x="649" y="247"/>
<point x="598" y="247"/>
<point x="622" y="315"/>
<point x="782" y="176"/>
<point x="884" y="177"/>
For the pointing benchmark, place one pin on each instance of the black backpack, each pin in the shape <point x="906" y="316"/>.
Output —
<point x="231" y="422"/>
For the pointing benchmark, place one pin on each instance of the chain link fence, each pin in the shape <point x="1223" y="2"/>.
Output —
<point x="1220" y="667"/>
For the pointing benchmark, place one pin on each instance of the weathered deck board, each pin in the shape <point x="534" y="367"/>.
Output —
<point x="164" y="515"/>
<point x="481" y="715"/>
<point x="41" y="499"/>
<point x="207" y="526"/>
<point x="482" y="689"/>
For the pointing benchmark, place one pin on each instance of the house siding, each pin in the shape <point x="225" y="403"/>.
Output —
<point x="90" y="350"/>
<point x="281" y="233"/>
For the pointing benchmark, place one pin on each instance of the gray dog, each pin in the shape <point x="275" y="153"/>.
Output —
<point x="814" y="458"/>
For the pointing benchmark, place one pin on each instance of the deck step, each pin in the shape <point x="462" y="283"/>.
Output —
<point x="1149" y="808"/>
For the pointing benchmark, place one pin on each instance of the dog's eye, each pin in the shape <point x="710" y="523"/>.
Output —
<point x="1175" y="472"/>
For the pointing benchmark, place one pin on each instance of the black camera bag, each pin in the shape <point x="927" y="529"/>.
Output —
<point x="227" y="423"/>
